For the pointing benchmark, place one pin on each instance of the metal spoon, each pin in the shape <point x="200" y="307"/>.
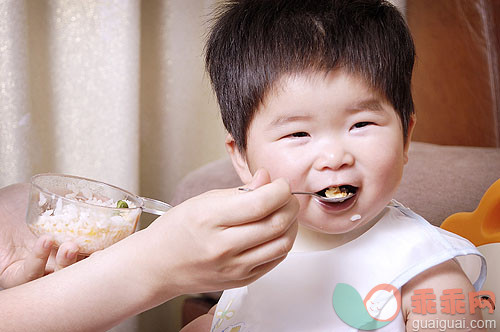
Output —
<point x="317" y="196"/>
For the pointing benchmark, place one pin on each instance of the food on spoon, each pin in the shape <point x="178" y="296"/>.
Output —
<point x="336" y="192"/>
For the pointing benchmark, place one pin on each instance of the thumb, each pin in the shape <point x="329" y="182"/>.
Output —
<point x="260" y="178"/>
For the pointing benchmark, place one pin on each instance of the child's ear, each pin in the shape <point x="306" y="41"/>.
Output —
<point x="411" y="126"/>
<point x="238" y="159"/>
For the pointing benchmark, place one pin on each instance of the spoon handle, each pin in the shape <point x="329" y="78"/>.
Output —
<point x="321" y="198"/>
<point x="293" y="192"/>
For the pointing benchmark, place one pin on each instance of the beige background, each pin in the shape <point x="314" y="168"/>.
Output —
<point x="112" y="90"/>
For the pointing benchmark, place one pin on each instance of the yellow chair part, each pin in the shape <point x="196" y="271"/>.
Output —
<point x="481" y="226"/>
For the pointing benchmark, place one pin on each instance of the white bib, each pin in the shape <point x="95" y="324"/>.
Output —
<point x="297" y="294"/>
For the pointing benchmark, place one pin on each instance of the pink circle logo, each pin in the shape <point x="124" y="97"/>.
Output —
<point x="383" y="302"/>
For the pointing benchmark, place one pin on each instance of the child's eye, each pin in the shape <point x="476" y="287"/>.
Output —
<point x="299" y="134"/>
<point x="362" y="124"/>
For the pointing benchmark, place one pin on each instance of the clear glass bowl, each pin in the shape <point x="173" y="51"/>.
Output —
<point x="84" y="211"/>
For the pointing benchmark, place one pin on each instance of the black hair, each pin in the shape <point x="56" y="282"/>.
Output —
<point x="253" y="43"/>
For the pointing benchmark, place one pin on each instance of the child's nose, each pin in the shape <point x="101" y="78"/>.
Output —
<point x="334" y="158"/>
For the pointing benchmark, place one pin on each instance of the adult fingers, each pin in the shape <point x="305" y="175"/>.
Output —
<point x="256" y="261"/>
<point x="274" y="250"/>
<point x="67" y="254"/>
<point x="246" y="207"/>
<point x="262" y="269"/>
<point x="34" y="265"/>
<point x="256" y="273"/>
<point x="279" y="224"/>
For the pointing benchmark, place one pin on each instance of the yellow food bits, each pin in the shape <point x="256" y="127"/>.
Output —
<point x="336" y="192"/>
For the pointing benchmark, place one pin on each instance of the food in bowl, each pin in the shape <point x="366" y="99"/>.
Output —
<point x="86" y="217"/>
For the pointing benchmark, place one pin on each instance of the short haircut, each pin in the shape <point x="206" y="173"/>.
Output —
<point x="253" y="43"/>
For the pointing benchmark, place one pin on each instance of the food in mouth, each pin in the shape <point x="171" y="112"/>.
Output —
<point x="338" y="191"/>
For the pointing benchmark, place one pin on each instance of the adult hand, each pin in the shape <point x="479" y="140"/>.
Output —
<point x="23" y="257"/>
<point x="224" y="238"/>
<point x="218" y="240"/>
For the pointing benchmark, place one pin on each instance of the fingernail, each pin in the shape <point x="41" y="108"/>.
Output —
<point x="47" y="244"/>
<point x="70" y="254"/>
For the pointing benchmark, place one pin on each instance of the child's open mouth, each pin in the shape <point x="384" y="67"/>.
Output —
<point x="338" y="193"/>
<point x="337" y="198"/>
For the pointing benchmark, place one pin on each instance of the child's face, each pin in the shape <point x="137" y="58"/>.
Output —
<point x="325" y="130"/>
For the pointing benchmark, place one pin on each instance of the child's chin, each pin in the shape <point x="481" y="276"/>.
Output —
<point x="339" y="226"/>
<point x="336" y="208"/>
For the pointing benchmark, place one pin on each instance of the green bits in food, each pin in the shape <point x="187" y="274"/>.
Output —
<point x="121" y="204"/>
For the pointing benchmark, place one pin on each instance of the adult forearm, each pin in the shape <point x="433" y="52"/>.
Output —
<point x="92" y="295"/>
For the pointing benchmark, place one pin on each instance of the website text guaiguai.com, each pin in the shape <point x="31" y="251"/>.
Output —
<point x="453" y="324"/>
<point x="452" y="302"/>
